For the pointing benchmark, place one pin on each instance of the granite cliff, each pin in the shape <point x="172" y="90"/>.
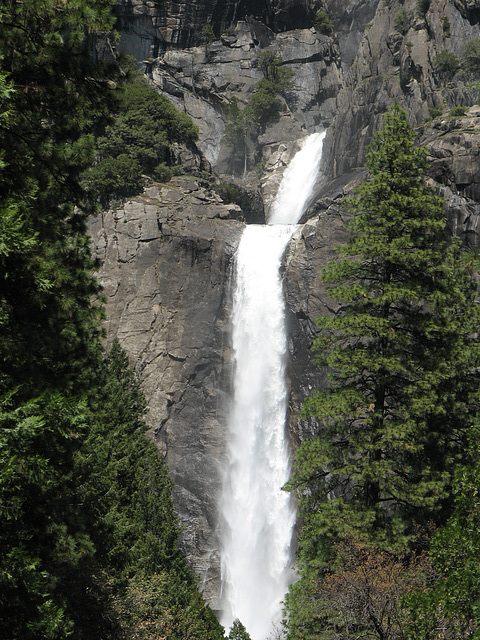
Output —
<point x="167" y="256"/>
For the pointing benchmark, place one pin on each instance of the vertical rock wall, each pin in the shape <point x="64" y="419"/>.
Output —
<point x="166" y="261"/>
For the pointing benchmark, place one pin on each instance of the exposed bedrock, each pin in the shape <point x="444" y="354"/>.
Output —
<point x="166" y="266"/>
<point x="148" y="27"/>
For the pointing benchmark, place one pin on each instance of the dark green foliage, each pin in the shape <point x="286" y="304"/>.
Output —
<point x="453" y="602"/>
<point x="360" y="597"/>
<point x="446" y="27"/>
<point x="126" y="496"/>
<point x="85" y="501"/>
<point x="138" y="142"/>
<point x="401" y="22"/>
<point x="403" y="361"/>
<point x="42" y="533"/>
<point x="208" y="35"/>
<point x="278" y="76"/>
<point x="263" y="107"/>
<point x="145" y="125"/>
<point x="229" y="192"/>
<point x="457" y="111"/>
<point x="238" y="631"/>
<point x="423" y="6"/>
<point x="49" y="331"/>
<point x="60" y="91"/>
<point x="236" y="134"/>
<point x="50" y="93"/>
<point x="435" y="112"/>
<point x="163" y="172"/>
<point x="117" y="177"/>
<point x="471" y="58"/>
<point x="446" y="65"/>
<point x="323" y="22"/>
<point x="124" y="484"/>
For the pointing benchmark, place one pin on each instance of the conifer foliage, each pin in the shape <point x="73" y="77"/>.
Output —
<point x="87" y="528"/>
<point x="403" y="359"/>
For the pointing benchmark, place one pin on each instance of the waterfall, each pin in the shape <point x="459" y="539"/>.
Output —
<point x="258" y="517"/>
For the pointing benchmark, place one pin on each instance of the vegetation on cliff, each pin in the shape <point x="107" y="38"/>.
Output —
<point x="138" y="141"/>
<point x="394" y="423"/>
<point x="264" y="106"/>
<point x="87" y="528"/>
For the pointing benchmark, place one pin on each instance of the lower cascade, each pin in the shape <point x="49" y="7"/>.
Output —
<point x="258" y="517"/>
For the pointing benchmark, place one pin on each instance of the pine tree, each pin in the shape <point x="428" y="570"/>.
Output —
<point x="238" y="631"/>
<point x="51" y="92"/>
<point x="452" y="601"/>
<point x="59" y="93"/>
<point x="403" y="357"/>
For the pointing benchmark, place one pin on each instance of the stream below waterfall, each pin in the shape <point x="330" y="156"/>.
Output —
<point x="258" y="517"/>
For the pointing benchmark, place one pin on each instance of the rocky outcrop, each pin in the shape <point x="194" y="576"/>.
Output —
<point x="395" y="62"/>
<point x="166" y="261"/>
<point x="203" y="81"/>
<point x="454" y="167"/>
<point x="147" y="27"/>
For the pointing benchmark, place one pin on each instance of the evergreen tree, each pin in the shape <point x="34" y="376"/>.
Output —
<point x="42" y="533"/>
<point x="264" y="106"/>
<point x="86" y="516"/>
<point x="238" y="631"/>
<point x="452" y="602"/>
<point x="403" y="361"/>
<point x="48" y="322"/>
<point x="137" y="141"/>
<point x="125" y="492"/>
<point x="51" y="91"/>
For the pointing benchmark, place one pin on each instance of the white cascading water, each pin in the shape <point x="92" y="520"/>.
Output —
<point x="258" y="517"/>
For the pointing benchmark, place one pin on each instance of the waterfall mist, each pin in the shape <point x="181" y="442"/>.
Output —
<point x="258" y="517"/>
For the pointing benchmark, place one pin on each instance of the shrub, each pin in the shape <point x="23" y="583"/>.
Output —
<point x="264" y="106"/>
<point x="446" y="27"/>
<point x="114" y="178"/>
<point x="458" y="111"/>
<point x="208" y="35"/>
<point x="238" y="631"/>
<point x="138" y="141"/>
<point x="423" y="6"/>
<point x="446" y="65"/>
<point x="401" y="22"/>
<point x="271" y="65"/>
<point x="164" y="173"/>
<point x="323" y="22"/>
<point x="229" y="192"/>
<point x="471" y="57"/>
<point x="435" y="112"/>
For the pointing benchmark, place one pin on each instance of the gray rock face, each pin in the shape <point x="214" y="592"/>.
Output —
<point x="148" y="27"/>
<point x="396" y="66"/>
<point x="454" y="158"/>
<point x="166" y="267"/>
<point x="203" y="81"/>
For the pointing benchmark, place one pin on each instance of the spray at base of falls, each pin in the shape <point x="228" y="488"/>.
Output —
<point x="258" y="517"/>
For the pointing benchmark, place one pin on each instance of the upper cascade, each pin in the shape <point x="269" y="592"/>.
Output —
<point x="298" y="181"/>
